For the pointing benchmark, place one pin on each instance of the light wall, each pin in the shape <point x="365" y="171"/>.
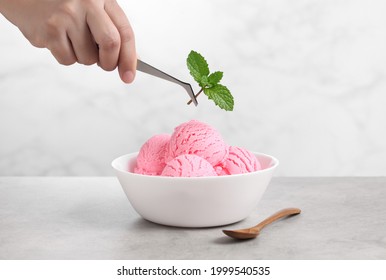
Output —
<point x="308" y="77"/>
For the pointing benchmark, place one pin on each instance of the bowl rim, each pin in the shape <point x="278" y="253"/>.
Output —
<point x="152" y="177"/>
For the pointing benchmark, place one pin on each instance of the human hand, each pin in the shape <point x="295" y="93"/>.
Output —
<point x="83" y="31"/>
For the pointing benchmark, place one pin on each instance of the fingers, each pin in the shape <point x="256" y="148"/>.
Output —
<point x="85" y="48"/>
<point x="68" y="38"/>
<point x="96" y="31"/>
<point x="57" y="41"/>
<point x="62" y="50"/>
<point x="127" y="62"/>
<point x="106" y="36"/>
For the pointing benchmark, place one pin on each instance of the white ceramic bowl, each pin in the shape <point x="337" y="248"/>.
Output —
<point x="194" y="202"/>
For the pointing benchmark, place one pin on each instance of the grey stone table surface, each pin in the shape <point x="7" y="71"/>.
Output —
<point x="91" y="218"/>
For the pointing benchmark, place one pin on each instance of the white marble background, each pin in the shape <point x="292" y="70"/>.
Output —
<point x="308" y="77"/>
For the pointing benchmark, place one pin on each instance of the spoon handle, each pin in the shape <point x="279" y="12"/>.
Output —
<point x="278" y="215"/>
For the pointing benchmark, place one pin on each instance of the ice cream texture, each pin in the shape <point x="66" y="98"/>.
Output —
<point x="239" y="161"/>
<point x="188" y="166"/>
<point x="194" y="149"/>
<point x="151" y="156"/>
<point x="199" y="139"/>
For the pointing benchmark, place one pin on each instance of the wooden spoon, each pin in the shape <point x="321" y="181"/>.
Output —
<point x="252" y="232"/>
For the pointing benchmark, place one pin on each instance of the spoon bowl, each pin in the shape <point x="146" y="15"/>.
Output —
<point x="249" y="233"/>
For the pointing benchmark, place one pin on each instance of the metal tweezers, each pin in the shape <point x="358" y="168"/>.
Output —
<point x="146" y="68"/>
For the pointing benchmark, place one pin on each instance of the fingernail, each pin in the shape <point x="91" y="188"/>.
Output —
<point x="128" y="77"/>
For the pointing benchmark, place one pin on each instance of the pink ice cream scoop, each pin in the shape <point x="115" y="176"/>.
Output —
<point x="197" y="138"/>
<point x="151" y="156"/>
<point x="188" y="166"/>
<point x="239" y="161"/>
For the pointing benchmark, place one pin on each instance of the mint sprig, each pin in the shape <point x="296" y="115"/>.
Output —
<point x="209" y="82"/>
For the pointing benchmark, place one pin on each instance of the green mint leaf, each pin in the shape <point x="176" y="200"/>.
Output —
<point x="221" y="96"/>
<point x="215" y="78"/>
<point x="197" y="66"/>
<point x="209" y="84"/>
<point x="204" y="82"/>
